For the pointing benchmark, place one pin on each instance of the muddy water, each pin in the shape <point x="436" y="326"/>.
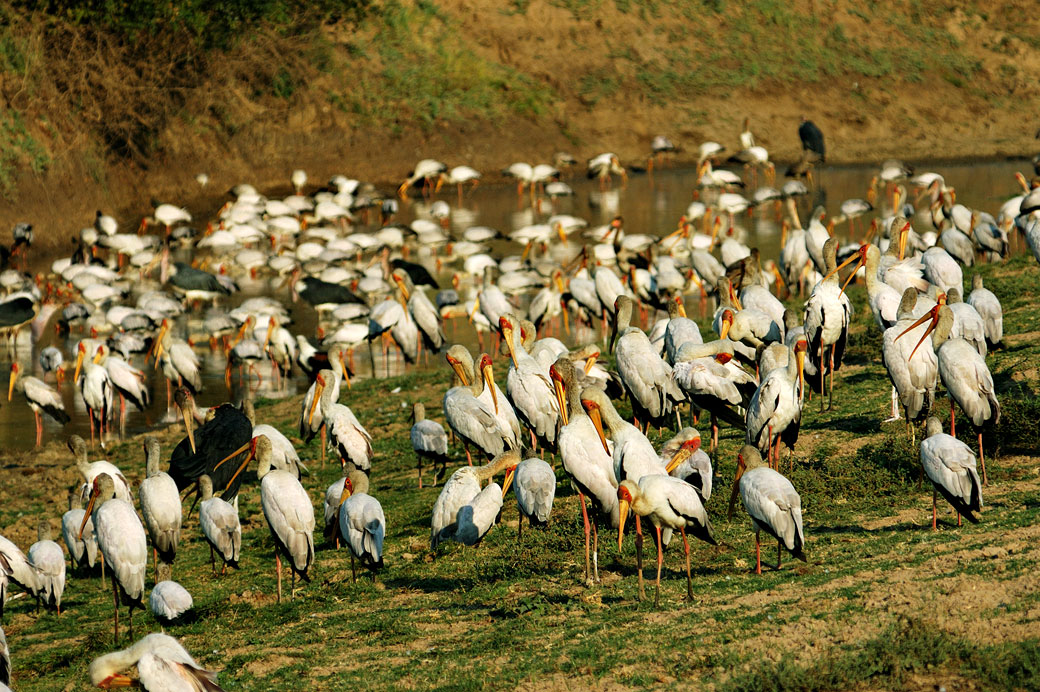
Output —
<point x="648" y="203"/>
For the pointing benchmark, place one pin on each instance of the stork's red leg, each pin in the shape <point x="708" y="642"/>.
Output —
<point x="758" y="555"/>
<point x="585" y="520"/>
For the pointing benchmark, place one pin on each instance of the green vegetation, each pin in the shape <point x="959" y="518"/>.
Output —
<point x="120" y="78"/>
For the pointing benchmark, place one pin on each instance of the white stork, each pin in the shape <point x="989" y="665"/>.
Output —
<point x="772" y="503"/>
<point x="827" y="315"/>
<point x="668" y="503"/>
<point x="950" y="466"/>
<point x="122" y="541"/>
<point x="529" y="388"/>
<point x="220" y="525"/>
<point x="160" y="506"/>
<point x="775" y="411"/>
<point x="589" y="465"/>
<point x="363" y="525"/>
<point x="162" y="664"/>
<point x="964" y="374"/>
<point x="40" y="397"/>
<point x="463" y="512"/>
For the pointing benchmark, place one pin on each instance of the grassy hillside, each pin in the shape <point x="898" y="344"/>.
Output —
<point x="116" y="103"/>
<point x="882" y="603"/>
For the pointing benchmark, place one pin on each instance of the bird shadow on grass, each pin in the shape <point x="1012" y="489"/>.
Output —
<point x="861" y="424"/>
<point x="850" y="529"/>
<point x="432" y="584"/>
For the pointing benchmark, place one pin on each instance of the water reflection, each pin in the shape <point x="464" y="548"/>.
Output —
<point x="649" y="204"/>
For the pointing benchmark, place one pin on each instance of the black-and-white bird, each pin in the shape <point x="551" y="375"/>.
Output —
<point x="950" y="466"/>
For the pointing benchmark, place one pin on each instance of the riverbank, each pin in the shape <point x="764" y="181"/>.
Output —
<point x="102" y="118"/>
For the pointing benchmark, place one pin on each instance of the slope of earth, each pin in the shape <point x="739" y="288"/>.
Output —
<point x="113" y="114"/>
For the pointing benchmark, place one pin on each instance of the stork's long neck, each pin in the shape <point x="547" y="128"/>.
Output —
<point x="151" y="462"/>
<point x="110" y="664"/>
<point x="870" y="267"/>
<point x="496" y="466"/>
<point x="611" y="420"/>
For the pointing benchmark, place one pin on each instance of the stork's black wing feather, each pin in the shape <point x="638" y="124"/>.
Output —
<point x="227" y="431"/>
<point x="812" y="139"/>
<point x="318" y="292"/>
<point x="17" y="312"/>
<point x="416" y="272"/>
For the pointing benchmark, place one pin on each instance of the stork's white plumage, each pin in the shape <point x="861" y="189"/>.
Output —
<point x="220" y="525"/>
<point x="668" y="503"/>
<point x="772" y="503"/>
<point x="162" y="665"/>
<point x="363" y="525"/>
<point x="122" y="541"/>
<point x="160" y="505"/>
<point x="169" y="600"/>
<point x="950" y="466"/>
<point x="463" y="512"/>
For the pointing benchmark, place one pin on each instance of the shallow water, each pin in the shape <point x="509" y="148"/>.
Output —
<point x="648" y="203"/>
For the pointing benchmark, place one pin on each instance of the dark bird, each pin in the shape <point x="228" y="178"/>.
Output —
<point x="16" y="312"/>
<point x="196" y="284"/>
<point x="322" y="293"/>
<point x="225" y="430"/>
<point x="812" y="139"/>
<point x="23" y="236"/>
<point x="416" y="272"/>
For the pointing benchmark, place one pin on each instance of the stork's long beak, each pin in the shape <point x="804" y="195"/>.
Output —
<point x="682" y="308"/>
<point x="252" y="455"/>
<point x="622" y="515"/>
<point x="79" y="366"/>
<point x="187" y="428"/>
<point x="852" y="275"/>
<point x="156" y="349"/>
<point x="457" y="367"/>
<point x="195" y="500"/>
<point x="476" y="306"/>
<point x="561" y="399"/>
<point x="510" y="474"/>
<point x="597" y="421"/>
<point x="736" y="488"/>
<point x="400" y="284"/>
<point x="86" y="514"/>
<point x="241" y="333"/>
<point x="117" y="680"/>
<point x="489" y="382"/>
<point x="346" y="373"/>
<point x="318" y="388"/>
<point x="346" y="493"/>
<point x="682" y="455"/>
<point x="725" y="328"/>
<point x="97" y="356"/>
<point x="800" y="356"/>
<point x="930" y="315"/>
<point x="590" y="361"/>
<point x="507" y="336"/>
<point x="931" y="328"/>
<point x="841" y="266"/>
<point x="233" y="454"/>
<point x="903" y="232"/>
<point x="10" y="387"/>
